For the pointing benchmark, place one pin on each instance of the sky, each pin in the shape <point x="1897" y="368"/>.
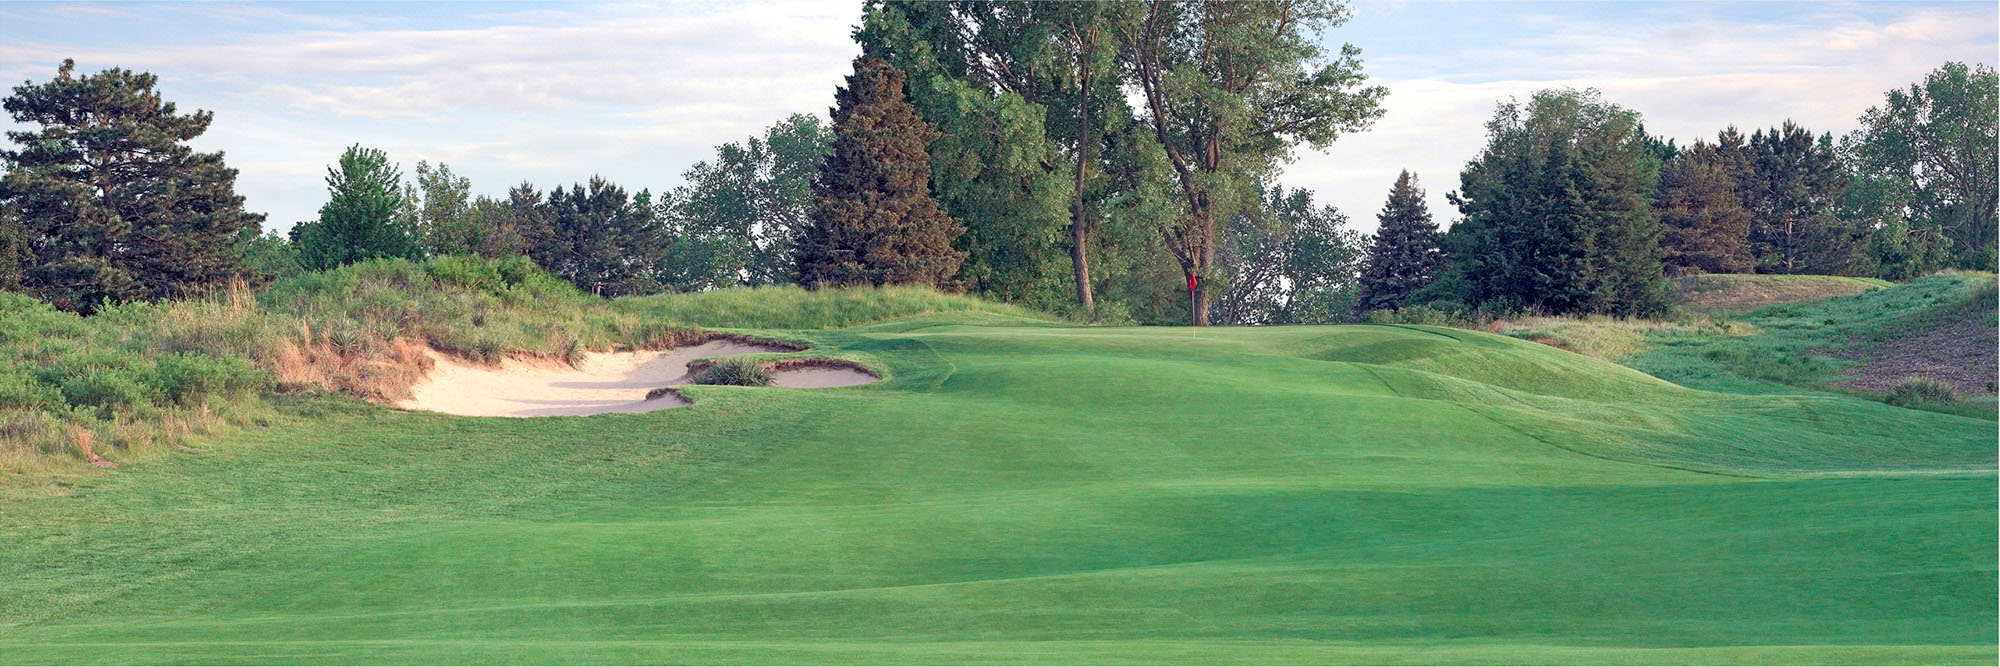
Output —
<point x="554" y="93"/>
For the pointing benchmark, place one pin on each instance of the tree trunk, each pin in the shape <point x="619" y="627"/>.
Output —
<point x="1198" y="305"/>
<point x="1077" y="235"/>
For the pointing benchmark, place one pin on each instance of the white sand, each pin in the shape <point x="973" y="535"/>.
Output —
<point x="606" y="382"/>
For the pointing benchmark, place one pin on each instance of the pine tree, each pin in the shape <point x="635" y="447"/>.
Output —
<point x="1706" y="227"/>
<point x="112" y="202"/>
<point x="599" y="238"/>
<point x="360" y="220"/>
<point x="1405" y="254"/>
<point x="1798" y="183"/>
<point x="874" y="221"/>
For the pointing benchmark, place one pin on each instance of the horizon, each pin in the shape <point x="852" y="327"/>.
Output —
<point x="638" y="93"/>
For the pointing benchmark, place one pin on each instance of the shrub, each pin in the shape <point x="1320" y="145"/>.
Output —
<point x="1916" y="391"/>
<point x="191" y="379"/>
<point x="732" y="371"/>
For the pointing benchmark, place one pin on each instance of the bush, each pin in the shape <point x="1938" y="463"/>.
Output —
<point x="1918" y="391"/>
<point x="191" y="379"/>
<point x="739" y="372"/>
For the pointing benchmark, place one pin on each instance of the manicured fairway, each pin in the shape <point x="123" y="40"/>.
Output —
<point x="1017" y="492"/>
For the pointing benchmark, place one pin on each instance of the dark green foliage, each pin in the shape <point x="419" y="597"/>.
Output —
<point x="1557" y="212"/>
<point x="1288" y="261"/>
<point x="449" y="221"/>
<point x="1706" y="229"/>
<point x="1792" y="196"/>
<point x="360" y="219"/>
<point x="1937" y="138"/>
<point x="874" y="221"/>
<point x="1404" y="255"/>
<point x="977" y="71"/>
<point x="266" y="257"/>
<point x="14" y="253"/>
<point x="734" y="371"/>
<point x="112" y="203"/>
<point x="597" y="237"/>
<point x="736" y="220"/>
<point x="1230" y="88"/>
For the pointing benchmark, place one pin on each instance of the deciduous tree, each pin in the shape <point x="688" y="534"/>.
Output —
<point x="360" y="220"/>
<point x="1230" y="88"/>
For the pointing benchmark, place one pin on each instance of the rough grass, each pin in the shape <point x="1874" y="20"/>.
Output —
<point x="1815" y="345"/>
<point x="791" y="307"/>
<point x="133" y="379"/>
<point x="733" y="371"/>
<point x="1741" y="293"/>
<point x="1047" y="494"/>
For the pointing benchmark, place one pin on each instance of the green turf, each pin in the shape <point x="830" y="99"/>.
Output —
<point x="1017" y="492"/>
<point x="1794" y="344"/>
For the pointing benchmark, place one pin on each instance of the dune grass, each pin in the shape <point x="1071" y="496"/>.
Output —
<point x="138" y="378"/>
<point x="1047" y="494"/>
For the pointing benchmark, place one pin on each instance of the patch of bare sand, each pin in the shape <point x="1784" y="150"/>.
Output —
<point x="606" y="382"/>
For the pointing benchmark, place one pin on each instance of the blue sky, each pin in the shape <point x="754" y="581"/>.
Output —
<point x="554" y="93"/>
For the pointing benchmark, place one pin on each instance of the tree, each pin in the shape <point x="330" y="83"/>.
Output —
<point x="265" y="257"/>
<point x="1557" y="213"/>
<point x="977" y="71"/>
<point x="1706" y="228"/>
<point x="1230" y="88"/>
<point x="1288" y="261"/>
<point x="598" y="237"/>
<point x="113" y="204"/>
<point x="440" y="210"/>
<point x="735" y="221"/>
<point x="359" y="221"/>
<point x="1939" y="138"/>
<point x="1797" y="182"/>
<point x="1404" y="256"/>
<point x="874" y="221"/>
<point x="1899" y="248"/>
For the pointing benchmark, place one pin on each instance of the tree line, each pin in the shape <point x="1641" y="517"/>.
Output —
<point x="1117" y="161"/>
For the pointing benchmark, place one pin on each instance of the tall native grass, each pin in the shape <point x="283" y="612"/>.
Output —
<point x="139" y="377"/>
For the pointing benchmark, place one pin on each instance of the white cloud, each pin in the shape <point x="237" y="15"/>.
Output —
<point x="1689" y="75"/>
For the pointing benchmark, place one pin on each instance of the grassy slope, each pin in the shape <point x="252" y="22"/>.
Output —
<point x="1022" y="493"/>
<point x="1793" y="343"/>
<point x="1740" y="293"/>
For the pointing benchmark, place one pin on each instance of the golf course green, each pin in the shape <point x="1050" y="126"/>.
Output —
<point x="1017" y="491"/>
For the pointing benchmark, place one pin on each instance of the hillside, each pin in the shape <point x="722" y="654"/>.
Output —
<point x="1940" y="326"/>
<point x="1020" y="491"/>
<point x="1742" y="293"/>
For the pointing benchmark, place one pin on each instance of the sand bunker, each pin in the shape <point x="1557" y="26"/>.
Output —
<point x="606" y="382"/>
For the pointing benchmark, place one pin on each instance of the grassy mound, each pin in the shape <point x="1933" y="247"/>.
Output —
<point x="1052" y="494"/>
<point x="137" y="378"/>
<point x="1741" y="293"/>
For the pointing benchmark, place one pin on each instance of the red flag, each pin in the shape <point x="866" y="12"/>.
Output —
<point x="1191" y="282"/>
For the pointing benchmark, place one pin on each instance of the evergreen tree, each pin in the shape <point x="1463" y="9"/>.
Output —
<point x="1706" y="227"/>
<point x="874" y="221"/>
<point x="599" y="238"/>
<point x="360" y="219"/>
<point x="112" y="203"/>
<point x="1404" y="256"/>
<point x="976" y="71"/>
<point x="1557" y="212"/>
<point x="1798" y="182"/>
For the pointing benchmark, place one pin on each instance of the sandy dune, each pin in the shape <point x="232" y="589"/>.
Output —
<point x="606" y="382"/>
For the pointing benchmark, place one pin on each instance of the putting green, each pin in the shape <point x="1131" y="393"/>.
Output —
<point x="1020" y="492"/>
